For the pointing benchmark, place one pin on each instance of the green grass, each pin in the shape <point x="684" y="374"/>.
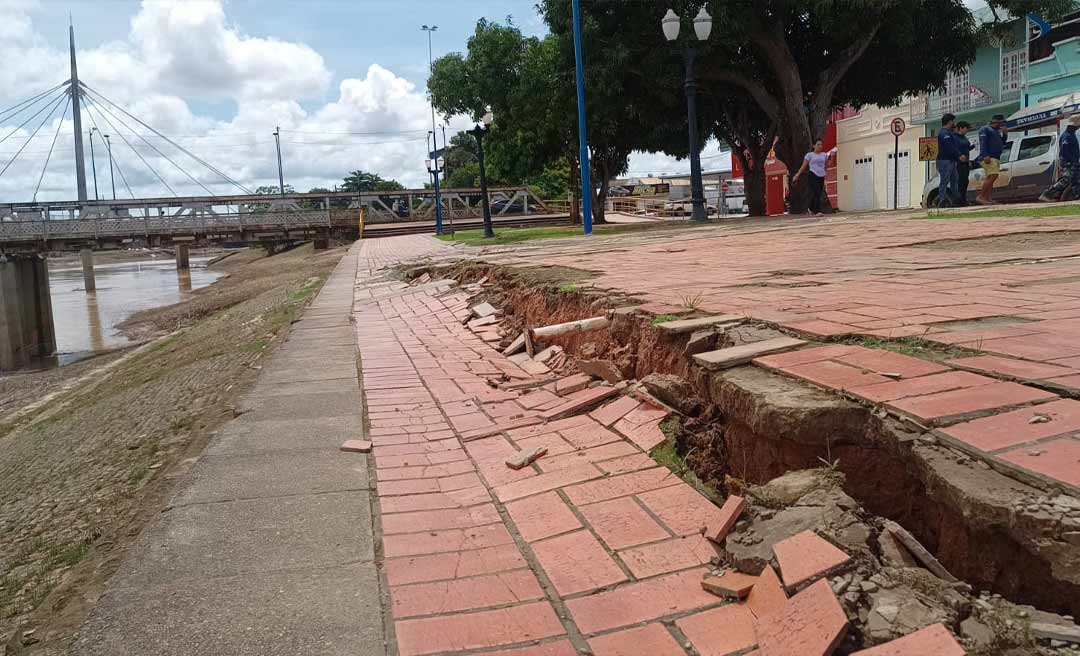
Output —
<point x="517" y="235"/>
<point x="569" y="288"/>
<point x="915" y="347"/>
<point x="666" y="454"/>
<point x="1071" y="209"/>
<point x="663" y="318"/>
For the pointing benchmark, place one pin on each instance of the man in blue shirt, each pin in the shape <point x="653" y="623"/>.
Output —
<point x="963" y="167"/>
<point x="1068" y="162"/>
<point x="948" y="157"/>
<point x="991" y="144"/>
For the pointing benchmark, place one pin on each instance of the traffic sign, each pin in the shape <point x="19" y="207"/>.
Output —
<point x="897" y="126"/>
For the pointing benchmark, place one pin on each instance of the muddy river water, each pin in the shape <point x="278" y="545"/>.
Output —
<point x="86" y="323"/>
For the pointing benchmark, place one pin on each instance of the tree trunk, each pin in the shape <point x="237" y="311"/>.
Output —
<point x="575" y="185"/>
<point x="600" y="197"/>
<point x="753" y="183"/>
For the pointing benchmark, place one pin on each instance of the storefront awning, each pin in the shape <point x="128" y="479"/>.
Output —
<point x="1047" y="112"/>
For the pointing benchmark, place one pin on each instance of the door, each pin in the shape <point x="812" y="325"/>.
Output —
<point x="864" y="184"/>
<point x="905" y="181"/>
<point x="1032" y="170"/>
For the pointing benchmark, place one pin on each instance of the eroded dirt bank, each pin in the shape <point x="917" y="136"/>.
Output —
<point x="80" y="475"/>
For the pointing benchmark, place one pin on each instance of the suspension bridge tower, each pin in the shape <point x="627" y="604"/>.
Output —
<point x="76" y="93"/>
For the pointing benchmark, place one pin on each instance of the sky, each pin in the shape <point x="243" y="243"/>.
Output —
<point x="343" y="79"/>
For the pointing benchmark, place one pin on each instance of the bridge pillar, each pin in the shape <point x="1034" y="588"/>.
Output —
<point x="89" y="281"/>
<point x="26" y="321"/>
<point x="182" y="261"/>
<point x="322" y="239"/>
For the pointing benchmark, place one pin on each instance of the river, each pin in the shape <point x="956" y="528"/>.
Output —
<point x="86" y="323"/>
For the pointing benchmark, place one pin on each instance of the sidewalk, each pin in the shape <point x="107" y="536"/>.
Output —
<point x="268" y="547"/>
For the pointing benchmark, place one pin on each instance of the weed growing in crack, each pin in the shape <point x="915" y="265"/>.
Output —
<point x="569" y="288"/>
<point x="693" y="302"/>
<point x="663" y="318"/>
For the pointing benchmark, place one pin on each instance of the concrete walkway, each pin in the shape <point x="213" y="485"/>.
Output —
<point x="267" y="549"/>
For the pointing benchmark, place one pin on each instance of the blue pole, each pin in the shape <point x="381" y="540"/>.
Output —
<point x="586" y="183"/>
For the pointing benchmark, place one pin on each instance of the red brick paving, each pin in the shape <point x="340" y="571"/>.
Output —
<point x="1057" y="459"/>
<point x="577" y="562"/>
<point x="806" y="556"/>
<point x="811" y="623"/>
<point x="948" y="407"/>
<point x="768" y="595"/>
<point x="1014" y="428"/>
<point x="493" y="628"/>
<point x="723" y="631"/>
<point x="934" y="639"/>
<point x="642" y="601"/>
<point x="651" y="639"/>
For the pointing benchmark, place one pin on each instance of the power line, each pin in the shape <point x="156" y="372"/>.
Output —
<point x="35" y="115"/>
<point x="47" y="117"/>
<point x="46" y="166"/>
<point x="98" y="107"/>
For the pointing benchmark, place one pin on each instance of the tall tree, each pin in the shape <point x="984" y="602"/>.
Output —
<point x="359" y="181"/>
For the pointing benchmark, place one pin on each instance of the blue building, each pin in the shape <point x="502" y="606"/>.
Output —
<point x="1052" y="86"/>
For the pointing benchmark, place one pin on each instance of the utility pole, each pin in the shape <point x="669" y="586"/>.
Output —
<point x="280" y="175"/>
<point x="434" y="145"/>
<point x="80" y="163"/>
<point x="93" y="162"/>
<point x="108" y="146"/>
<point x="446" y="148"/>
<point x="583" y="156"/>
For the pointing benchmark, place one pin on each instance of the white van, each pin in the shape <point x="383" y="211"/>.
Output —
<point x="1028" y="165"/>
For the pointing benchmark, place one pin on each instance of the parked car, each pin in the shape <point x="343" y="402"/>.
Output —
<point x="685" y="208"/>
<point x="1028" y="166"/>
<point x="509" y="207"/>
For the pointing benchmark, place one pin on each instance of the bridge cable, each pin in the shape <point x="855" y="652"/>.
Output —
<point x="47" y="117"/>
<point x="114" y="163"/>
<point x="178" y="146"/>
<point x="49" y="157"/>
<point x="155" y="149"/>
<point x="20" y="107"/>
<point x="63" y="94"/>
<point x="121" y="135"/>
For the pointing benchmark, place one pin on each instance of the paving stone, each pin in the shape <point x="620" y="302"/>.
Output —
<point x="680" y="326"/>
<point x="805" y="556"/>
<point x="542" y="516"/>
<point x="1058" y="460"/>
<point x="947" y="407"/>
<point x="811" y="623"/>
<point x="880" y="361"/>
<point x="545" y="482"/>
<point x="492" y="535"/>
<point x="821" y="329"/>
<point x="558" y="648"/>
<point x="640" y="602"/>
<point x="718" y="526"/>
<point x="576" y="562"/>
<point x="483" y="310"/>
<point x="682" y="509"/>
<point x="733" y="356"/>
<point x="525" y="457"/>
<point x="595" y="454"/>
<point x="645" y="436"/>
<point x="768" y="594"/>
<point x="357" y="446"/>
<point x="730" y="584"/>
<point x="437" y="520"/>
<point x="492" y="628"/>
<point x="934" y="639"/>
<point x="1022" y="369"/>
<point x="571" y="384"/>
<point x="580" y="401"/>
<point x="723" y="631"/>
<point x="455" y="564"/>
<point x="464" y="594"/>
<point x="921" y="386"/>
<point x="626" y="464"/>
<point x="803" y="356"/>
<point x="622" y="523"/>
<point x="608" y="414"/>
<point x="620" y="486"/>
<point x="651" y="639"/>
<point x="835" y="375"/>
<point x="669" y="556"/>
<point x="1010" y="429"/>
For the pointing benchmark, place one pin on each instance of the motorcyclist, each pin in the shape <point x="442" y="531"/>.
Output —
<point x="1068" y="162"/>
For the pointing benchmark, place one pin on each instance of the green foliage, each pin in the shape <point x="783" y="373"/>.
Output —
<point x="360" y="181"/>
<point x="663" y="318"/>
<point x="569" y="288"/>
<point x="553" y="182"/>
<point x="273" y="190"/>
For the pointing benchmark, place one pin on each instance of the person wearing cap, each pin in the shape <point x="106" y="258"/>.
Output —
<point x="991" y="144"/>
<point x="1068" y="161"/>
<point x="947" y="158"/>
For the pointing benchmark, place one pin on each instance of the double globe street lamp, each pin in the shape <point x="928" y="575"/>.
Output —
<point x="702" y="28"/>
<point x="479" y="131"/>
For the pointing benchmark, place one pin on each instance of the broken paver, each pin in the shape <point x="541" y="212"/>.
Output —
<point x="934" y="639"/>
<point x="730" y="584"/>
<point x="483" y="310"/>
<point x="811" y="623"/>
<point x="736" y="355"/>
<point x="525" y="457"/>
<point x="515" y="346"/>
<point x="680" y="326"/>
<point x="719" y="526"/>
<point x="806" y="556"/>
<point x="579" y="402"/>
<point x="357" y="446"/>
<point x="768" y="594"/>
<point x="571" y="384"/>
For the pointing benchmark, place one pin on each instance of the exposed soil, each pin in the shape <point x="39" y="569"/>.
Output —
<point x="80" y="477"/>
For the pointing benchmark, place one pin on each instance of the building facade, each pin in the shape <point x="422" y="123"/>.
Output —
<point x="867" y="176"/>
<point x="1053" y="63"/>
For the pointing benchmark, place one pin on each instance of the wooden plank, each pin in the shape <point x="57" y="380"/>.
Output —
<point x="736" y="355"/>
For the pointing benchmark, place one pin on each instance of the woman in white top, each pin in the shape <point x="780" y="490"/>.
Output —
<point x="815" y="161"/>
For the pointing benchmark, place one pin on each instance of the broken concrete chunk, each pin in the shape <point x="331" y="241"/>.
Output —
<point x="519" y="358"/>
<point x="1062" y="632"/>
<point x="736" y="355"/>
<point x="731" y="585"/>
<point x="580" y="401"/>
<point x="681" y="326"/>
<point x="718" y="528"/>
<point x="605" y="369"/>
<point x="572" y="384"/>
<point x="674" y="391"/>
<point x="525" y="458"/>
<point x="515" y="346"/>
<point x="700" y="342"/>
<point x="548" y="354"/>
<point x="484" y="321"/>
<point x="357" y="446"/>
<point x="483" y="310"/>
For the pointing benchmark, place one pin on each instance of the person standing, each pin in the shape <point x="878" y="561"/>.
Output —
<point x="991" y="144"/>
<point x="963" y="167"/>
<point x="1068" y="162"/>
<point x="816" y="161"/>
<point x="948" y="157"/>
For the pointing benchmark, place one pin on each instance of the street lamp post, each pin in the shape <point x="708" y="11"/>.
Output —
<point x="434" y="145"/>
<point x="479" y="131"/>
<point x="93" y="163"/>
<point x="433" y="166"/>
<point x="108" y="146"/>
<point x="702" y="28"/>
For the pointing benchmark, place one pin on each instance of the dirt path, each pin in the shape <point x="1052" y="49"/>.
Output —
<point x="80" y="477"/>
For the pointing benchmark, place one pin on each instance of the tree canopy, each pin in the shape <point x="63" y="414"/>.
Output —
<point x="360" y="181"/>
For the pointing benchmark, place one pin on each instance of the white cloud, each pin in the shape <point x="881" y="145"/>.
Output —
<point x="184" y="51"/>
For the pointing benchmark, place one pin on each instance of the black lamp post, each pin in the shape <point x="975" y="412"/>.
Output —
<point x="479" y="131"/>
<point x="702" y="28"/>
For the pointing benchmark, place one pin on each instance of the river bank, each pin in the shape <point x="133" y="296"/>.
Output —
<point x="80" y="476"/>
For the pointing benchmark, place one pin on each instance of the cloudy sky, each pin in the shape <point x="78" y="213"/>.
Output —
<point x="344" y="79"/>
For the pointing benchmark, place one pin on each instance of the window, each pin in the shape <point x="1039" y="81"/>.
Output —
<point x="1006" y="152"/>
<point x="1013" y="65"/>
<point x="956" y="96"/>
<point x="1034" y="147"/>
